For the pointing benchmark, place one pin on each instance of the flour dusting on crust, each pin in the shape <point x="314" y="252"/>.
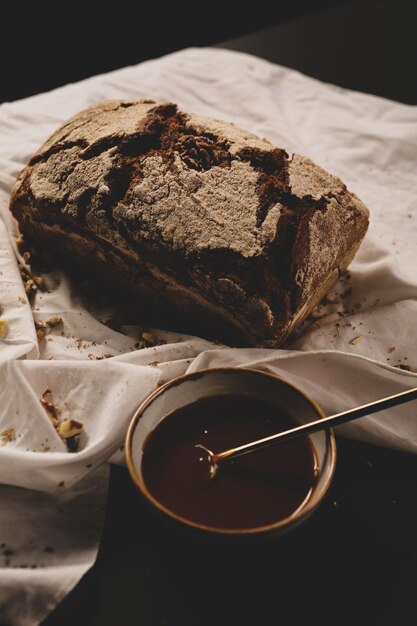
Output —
<point x="193" y="217"/>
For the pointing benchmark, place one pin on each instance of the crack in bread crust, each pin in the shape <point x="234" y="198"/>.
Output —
<point x="220" y="211"/>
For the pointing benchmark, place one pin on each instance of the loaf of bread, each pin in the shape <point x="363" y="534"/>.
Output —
<point x="207" y="227"/>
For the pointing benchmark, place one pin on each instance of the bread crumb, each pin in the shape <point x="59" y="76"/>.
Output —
<point x="356" y="340"/>
<point x="333" y="298"/>
<point x="43" y="326"/>
<point x="4" y="329"/>
<point x="20" y="242"/>
<point x="148" y="340"/>
<point x="52" y="410"/>
<point x="53" y="321"/>
<point x="30" y="281"/>
<point x="30" y="285"/>
<point x="392" y="349"/>
<point x="148" y="337"/>
<point x="40" y="334"/>
<point x="69" y="428"/>
<point x="318" y="312"/>
<point x="7" y="436"/>
<point x="404" y="367"/>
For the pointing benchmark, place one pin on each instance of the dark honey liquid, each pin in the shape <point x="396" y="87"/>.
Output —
<point x="252" y="491"/>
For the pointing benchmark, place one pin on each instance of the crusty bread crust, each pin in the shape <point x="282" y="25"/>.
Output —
<point x="205" y="224"/>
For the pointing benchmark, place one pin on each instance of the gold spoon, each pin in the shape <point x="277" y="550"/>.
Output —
<point x="216" y="458"/>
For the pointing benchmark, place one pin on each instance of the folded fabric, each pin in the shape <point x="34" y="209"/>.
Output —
<point x="360" y="346"/>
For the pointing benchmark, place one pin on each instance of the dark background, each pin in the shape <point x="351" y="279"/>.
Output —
<point x="355" y="560"/>
<point x="47" y="45"/>
<point x="365" y="45"/>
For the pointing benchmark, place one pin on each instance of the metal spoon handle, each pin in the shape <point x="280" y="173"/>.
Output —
<point x="320" y="424"/>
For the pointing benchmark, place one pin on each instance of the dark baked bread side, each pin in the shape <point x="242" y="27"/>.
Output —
<point x="207" y="225"/>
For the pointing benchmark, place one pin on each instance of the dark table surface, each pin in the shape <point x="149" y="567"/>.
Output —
<point x="355" y="559"/>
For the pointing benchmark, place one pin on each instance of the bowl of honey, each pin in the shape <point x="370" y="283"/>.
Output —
<point x="268" y="491"/>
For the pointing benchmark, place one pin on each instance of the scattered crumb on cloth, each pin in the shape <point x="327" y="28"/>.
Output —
<point x="68" y="429"/>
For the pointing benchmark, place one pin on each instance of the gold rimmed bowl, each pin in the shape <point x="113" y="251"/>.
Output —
<point x="256" y="387"/>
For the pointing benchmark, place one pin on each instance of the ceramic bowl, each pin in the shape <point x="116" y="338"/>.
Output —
<point x="194" y="386"/>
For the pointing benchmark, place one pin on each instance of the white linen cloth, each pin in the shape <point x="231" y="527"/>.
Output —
<point x="341" y="360"/>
